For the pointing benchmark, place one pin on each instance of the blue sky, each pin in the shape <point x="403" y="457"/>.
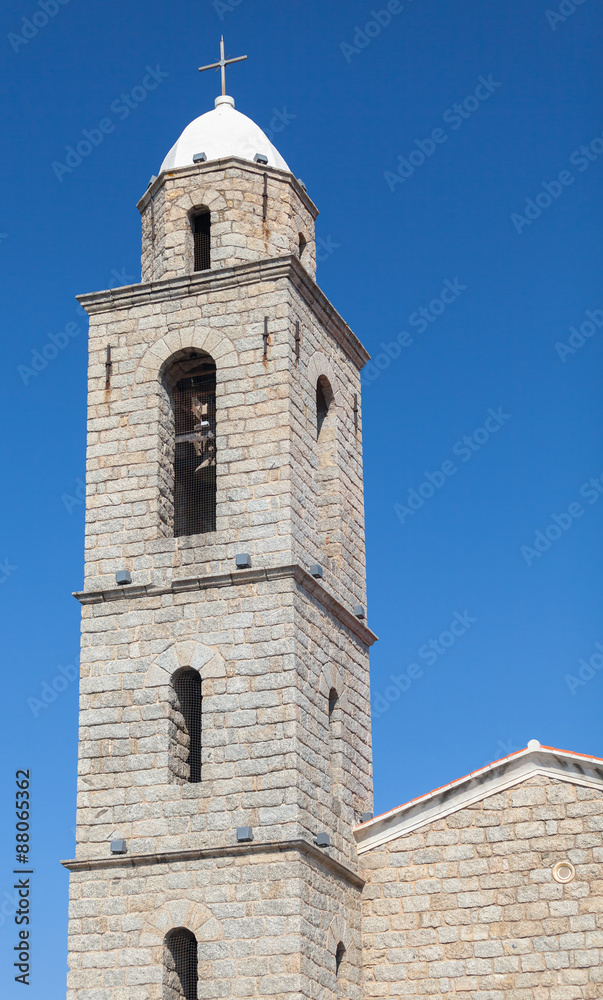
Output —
<point x="462" y="244"/>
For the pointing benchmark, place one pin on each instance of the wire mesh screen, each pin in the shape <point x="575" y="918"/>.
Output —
<point x="187" y="685"/>
<point x="201" y="236"/>
<point x="181" y="965"/>
<point x="195" y="457"/>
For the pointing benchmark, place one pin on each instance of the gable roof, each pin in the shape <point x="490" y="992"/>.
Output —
<point x="562" y="765"/>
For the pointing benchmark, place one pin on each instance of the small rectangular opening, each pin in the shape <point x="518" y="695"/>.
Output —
<point x="201" y="236"/>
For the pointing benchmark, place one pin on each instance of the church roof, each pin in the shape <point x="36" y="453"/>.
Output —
<point x="221" y="133"/>
<point x="561" y="765"/>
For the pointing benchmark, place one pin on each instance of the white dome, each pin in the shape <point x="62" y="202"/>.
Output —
<point x="221" y="133"/>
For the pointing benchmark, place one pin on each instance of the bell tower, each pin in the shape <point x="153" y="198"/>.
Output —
<point x="224" y="753"/>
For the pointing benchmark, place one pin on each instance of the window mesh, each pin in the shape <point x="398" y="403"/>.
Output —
<point x="202" y="242"/>
<point x="187" y="685"/>
<point x="181" y="965"/>
<point x="195" y="457"/>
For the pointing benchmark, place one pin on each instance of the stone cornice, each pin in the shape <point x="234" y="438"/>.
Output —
<point x="268" y="847"/>
<point x="270" y="269"/>
<point x="213" y="166"/>
<point x="178" y="586"/>
<point x="558" y="765"/>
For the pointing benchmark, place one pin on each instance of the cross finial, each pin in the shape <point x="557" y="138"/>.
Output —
<point x="222" y="64"/>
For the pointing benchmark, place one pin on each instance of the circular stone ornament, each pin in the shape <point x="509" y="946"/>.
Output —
<point x="564" y="871"/>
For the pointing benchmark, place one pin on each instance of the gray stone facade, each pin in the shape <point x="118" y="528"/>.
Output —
<point x="270" y="643"/>
<point x="467" y="906"/>
<point x="453" y="894"/>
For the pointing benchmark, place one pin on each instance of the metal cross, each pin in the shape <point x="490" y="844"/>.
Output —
<point x="222" y="64"/>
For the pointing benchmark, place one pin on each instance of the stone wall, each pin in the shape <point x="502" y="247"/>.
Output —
<point x="267" y="460"/>
<point x="267" y="925"/>
<point x="268" y="653"/>
<point x="467" y="906"/>
<point x="233" y="191"/>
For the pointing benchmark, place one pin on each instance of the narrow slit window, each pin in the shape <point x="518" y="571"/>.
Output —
<point x="202" y="241"/>
<point x="333" y="719"/>
<point x="339" y="957"/>
<point x="186" y="747"/>
<point x="195" y="452"/>
<point x="322" y="408"/>
<point x="181" y="965"/>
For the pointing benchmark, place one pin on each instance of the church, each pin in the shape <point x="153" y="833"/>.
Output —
<point x="226" y="844"/>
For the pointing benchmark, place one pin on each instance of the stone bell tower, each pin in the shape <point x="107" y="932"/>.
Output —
<point x="224" y="753"/>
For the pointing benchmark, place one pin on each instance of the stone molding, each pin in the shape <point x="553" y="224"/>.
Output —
<point x="207" y="661"/>
<point x="158" y="355"/>
<point x="242" y="577"/>
<point x="269" y="270"/>
<point x="300" y="846"/>
<point x="217" y="166"/>
<point x="558" y="765"/>
<point x="178" y="913"/>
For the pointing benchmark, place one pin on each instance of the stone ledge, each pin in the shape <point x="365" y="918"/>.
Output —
<point x="301" y="846"/>
<point x="218" y="166"/>
<point x="250" y="576"/>
<point x="270" y="269"/>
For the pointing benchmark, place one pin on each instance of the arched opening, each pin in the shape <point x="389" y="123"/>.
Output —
<point x="186" y="726"/>
<point x="201" y="229"/>
<point x="180" y="965"/>
<point x="322" y="404"/>
<point x="327" y="483"/>
<point x="188" y="446"/>
<point x="334" y="736"/>
<point x="303" y="243"/>
<point x="339" y="955"/>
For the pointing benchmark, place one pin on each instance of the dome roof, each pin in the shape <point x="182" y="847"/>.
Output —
<point x="221" y="133"/>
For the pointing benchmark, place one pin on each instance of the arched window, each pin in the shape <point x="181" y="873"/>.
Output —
<point x="303" y="243"/>
<point x="322" y="405"/>
<point x="334" y="735"/>
<point x="191" y="387"/>
<point x="328" y="518"/>
<point x="180" y="965"/>
<point x="339" y="958"/>
<point x="186" y="720"/>
<point x="201" y="227"/>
